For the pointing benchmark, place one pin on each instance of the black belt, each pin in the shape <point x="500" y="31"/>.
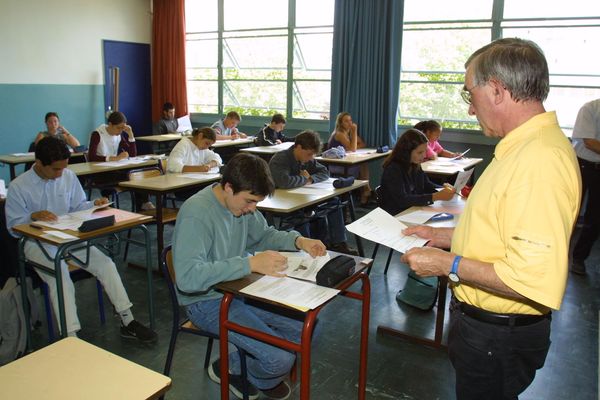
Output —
<point x="589" y="164"/>
<point x="501" y="319"/>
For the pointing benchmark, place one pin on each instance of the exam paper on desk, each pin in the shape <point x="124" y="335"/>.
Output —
<point x="301" y="265"/>
<point x="73" y="220"/>
<point x="294" y="293"/>
<point x="380" y="227"/>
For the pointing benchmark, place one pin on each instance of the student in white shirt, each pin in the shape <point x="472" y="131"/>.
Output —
<point x="44" y="192"/>
<point x="193" y="154"/>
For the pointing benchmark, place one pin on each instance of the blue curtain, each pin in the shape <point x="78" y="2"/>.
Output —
<point x="365" y="75"/>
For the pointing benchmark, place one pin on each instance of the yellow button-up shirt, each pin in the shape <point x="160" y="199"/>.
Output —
<point x="520" y="216"/>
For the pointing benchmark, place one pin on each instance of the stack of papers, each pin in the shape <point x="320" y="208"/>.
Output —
<point x="302" y="266"/>
<point x="126" y="161"/>
<point x="380" y="227"/>
<point x="315" y="188"/>
<point x="73" y="220"/>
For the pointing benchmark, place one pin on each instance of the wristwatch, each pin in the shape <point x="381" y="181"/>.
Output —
<point x="453" y="275"/>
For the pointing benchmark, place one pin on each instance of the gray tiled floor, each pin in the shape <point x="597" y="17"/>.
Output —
<point x="396" y="370"/>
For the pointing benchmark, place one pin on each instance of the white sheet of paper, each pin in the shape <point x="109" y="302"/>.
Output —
<point x="23" y="154"/>
<point x="53" y="235"/>
<point x="73" y="220"/>
<point x="2" y="189"/>
<point x="291" y="292"/>
<point x="200" y="175"/>
<point x="126" y="161"/>
<point x="460" y="155"/>
<point x="282" y="146"/>
<point x="184" y="124"/>
<point x="462" y="179"/>
<point x="380" y="227"/>
<point x="416" y="217"/>
<point x="302" y="266"/>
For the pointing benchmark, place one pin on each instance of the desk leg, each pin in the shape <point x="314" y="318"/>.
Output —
<point x="159" y="227"/>
<point x="13" y="173"/>
<point x="149" y="274"/>
<point x="361" y="251"/>
<point x="60" y="291"/>
<point x="24" y="298"/>
<point x="224" y="344"/>
<point x="364" y="336"/>
<point x="439" y="322"/>
<point x="305" y="342"/>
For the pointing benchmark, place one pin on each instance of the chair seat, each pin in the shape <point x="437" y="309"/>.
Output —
<point x="168" y="214"/>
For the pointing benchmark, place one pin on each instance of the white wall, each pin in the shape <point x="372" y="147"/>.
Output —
<point x="60" y="41"/>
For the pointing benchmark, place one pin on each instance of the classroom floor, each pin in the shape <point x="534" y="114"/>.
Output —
<point x="396" y="369"/>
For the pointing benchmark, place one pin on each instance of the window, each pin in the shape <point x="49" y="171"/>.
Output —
<point x="439" y="37"/>
<point x="262" y="60"/>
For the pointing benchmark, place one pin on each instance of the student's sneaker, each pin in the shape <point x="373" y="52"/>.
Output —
<point x="343" y="247"/>
<point x="279" y="392"/>
<point x="135" y="330"/>
<point x="235" y="381"/>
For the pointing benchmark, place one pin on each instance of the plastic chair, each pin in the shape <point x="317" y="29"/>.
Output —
<point x="187" y="326"/>
<point x="389" y="259"/>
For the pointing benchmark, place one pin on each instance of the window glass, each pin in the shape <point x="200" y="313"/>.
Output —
<point x="203" y="96"/>
<point x="311" y="99"/>
<point x="314" y="12"/>
<point x="201" y="16"/>
<point x="550" y="8"/>
<point x="255" y="14"/>
<point x="255" y="98"/>
<point x="436" y="10"/>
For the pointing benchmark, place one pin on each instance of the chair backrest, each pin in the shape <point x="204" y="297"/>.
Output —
<point x="138" y="174"/>
<point x="168" y="272"/>
<point x="378" y="194"/>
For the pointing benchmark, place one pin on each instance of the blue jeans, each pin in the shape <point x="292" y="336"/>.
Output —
<point x="335" y="221"/>
<point x="267" y="365"/>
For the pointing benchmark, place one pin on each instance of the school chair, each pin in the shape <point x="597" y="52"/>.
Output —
<point x="186" y="326"/>
<point x="389" y="259"/>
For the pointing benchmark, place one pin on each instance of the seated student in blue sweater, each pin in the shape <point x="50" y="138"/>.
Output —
<point x="272" y="134"/>
<point x="217" y="232"/>
<point x="403" y="182"/>
<point x="296" y="167"/>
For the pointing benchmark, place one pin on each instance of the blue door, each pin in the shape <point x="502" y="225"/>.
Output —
<point x="133" y="60"/>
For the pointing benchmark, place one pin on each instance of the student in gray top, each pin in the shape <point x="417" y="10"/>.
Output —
<point x="296" y="167"/>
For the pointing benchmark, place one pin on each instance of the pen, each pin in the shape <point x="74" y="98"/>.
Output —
<point x="35" y="226"/>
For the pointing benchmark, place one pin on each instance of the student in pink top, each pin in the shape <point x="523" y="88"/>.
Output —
<point x="433" y="131"/>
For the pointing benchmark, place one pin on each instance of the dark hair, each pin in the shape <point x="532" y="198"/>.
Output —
<point x="117" y="118"/>
<point x="248" y="172"/>
<point x="278" y="119"/>
<point x="206" y="132"/>
<point x="428" y="126"/>
<point x="168" y="106"/>
<point x="410" y="140"/>
<point x="308" y="140"/>
<point x="233" y="115"/>
<point x="520" y="65"/>
<point x="50" y="114"/>
<point x="51" y="149"/>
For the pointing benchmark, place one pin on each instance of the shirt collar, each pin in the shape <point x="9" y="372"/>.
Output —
<point x="524" y="132"/>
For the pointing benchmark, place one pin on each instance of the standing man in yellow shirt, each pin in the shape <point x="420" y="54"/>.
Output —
<point x="508" y="262"/>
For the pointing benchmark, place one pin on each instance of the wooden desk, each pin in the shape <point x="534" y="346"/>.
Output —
<point x="12" y="161"/>
<point x="355" y="158"/>
<point x="96" y="168"/>
<point x="454" y="207"/>
<point x="162" y="143"/>
<point x="445" y="170"/>
<point x="284" y="202"/>
<point x="158" y="186"/>
<point x="267" y="152"/>
<point x="84" y="239"/>
<point x="232" y="288"/>
<point x="72" y="369"/>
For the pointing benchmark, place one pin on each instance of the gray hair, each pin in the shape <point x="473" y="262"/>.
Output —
<point x="520" y="65"/>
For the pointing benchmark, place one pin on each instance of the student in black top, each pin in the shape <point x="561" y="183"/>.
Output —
<point x="403" y="183"/>
<point x="272" y="133"/>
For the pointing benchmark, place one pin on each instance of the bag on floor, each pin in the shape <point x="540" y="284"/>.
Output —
<point x="419" y="292"/>
<point x="13" y="334"/>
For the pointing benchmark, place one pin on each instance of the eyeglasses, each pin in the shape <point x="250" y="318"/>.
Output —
<point x="466" y="94"/>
